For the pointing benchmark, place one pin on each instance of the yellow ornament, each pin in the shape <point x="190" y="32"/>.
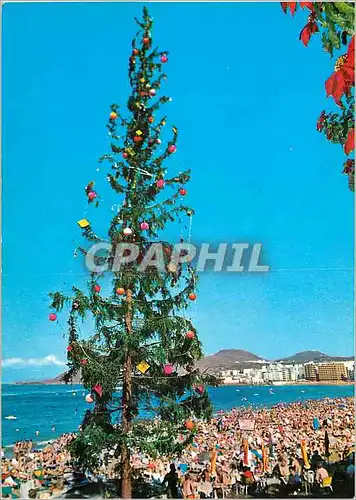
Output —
<point x="83" y="223"/>
<point x="148" y="85"/>
<point x="138" y="132"/>
<point x="163" y="122"/>
<point x="142" y="80"/>
<point x="143" y="367"/>
<point x="174" y="130"/>
<point x="130" y="151"/>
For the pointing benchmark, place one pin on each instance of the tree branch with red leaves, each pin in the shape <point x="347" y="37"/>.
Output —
<point x="335" y="22"/>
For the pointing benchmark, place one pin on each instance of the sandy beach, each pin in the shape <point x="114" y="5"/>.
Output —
<point x="283" y="441"/>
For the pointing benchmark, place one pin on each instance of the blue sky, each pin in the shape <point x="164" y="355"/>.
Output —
<point x="246" y="96"/>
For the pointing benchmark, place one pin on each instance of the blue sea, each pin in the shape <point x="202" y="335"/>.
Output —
<point x="53" y="410"/>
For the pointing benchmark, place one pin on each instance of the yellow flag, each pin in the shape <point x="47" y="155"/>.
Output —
<point x="83" y="223"/>
<point x="143" y="367"/>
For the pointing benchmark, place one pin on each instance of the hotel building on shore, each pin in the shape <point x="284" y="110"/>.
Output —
<point x="280" y="373"/>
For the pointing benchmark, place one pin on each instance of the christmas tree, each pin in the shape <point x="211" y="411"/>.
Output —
<point x="143" y="339"/>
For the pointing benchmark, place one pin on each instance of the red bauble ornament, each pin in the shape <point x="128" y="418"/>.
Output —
<point x="146" y="40"/>
<point x="189" y="425"/>
<point x="143" y="94"/>
<point x="172" y="148"/>
<point x="92" y="195"/>
<point x="52" y="317"/>
<point x="113" y="115"/>
<point x="137" y="139"/>
<point x="164" y="58"/>
<point x="190" y="335"/>
<point x="125" y="155"/>
<point x="98" y="389"/>
<point x="168" y="369"/>
<point x="150" y="119"/>
<point x="84" y="362"/>
<point x="97" y="288"/>
<point x="135" y="52"/>
<point x="182" y="191"/>
<point x="70" y="348"/>
<point x="120" y="291"/>
<point x="200" y="389"/>
<point x="160" y="183"/>
<point x="192" y="296"/>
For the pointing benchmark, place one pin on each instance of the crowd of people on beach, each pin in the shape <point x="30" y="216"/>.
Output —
<point x="304" y="448"/>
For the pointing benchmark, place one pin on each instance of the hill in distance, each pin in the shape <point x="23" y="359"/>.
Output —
<point x="231" y="359"/>
<point x="315" y="356"/>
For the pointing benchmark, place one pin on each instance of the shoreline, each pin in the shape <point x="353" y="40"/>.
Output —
<point x="233" y="383"/>
<point x="286" y="384"/>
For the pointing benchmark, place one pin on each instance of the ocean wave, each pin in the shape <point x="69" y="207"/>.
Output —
<point x="53" y="393"/>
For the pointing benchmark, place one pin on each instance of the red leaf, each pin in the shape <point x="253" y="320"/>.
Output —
<point x="307" y="32"/>
<point x="308" y="5"/>
<point x="351" y="52"/>
<point x="293" y="7"/>
<point x="348" y="73"/>
<point x="350" y="142"/>
<point x="335" y="86"/>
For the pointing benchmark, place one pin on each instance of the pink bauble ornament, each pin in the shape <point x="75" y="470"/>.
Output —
<point x="160" y="183"/>
<point x="52" y="317"/>
<point x="152" y="92"/>
<point x="88" y="398"/>
<point x="144" y="226"/>
<point x="190" y="335"/>
<point x="164" y="58"/>
<point x="172" y="148"/>
<point x="125" y="155"/>
<point x="127" y="231"/>
<point x="168" y="369"/>
<point x="92" y="195"/>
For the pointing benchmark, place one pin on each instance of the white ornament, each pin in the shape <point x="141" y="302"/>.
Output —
<point x="127" y="231"/>
<point x="88" y="398"/>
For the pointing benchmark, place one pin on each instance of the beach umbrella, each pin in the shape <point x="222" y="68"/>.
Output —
<point x="305" y="455"/>
<point x="258" y="455"/>
<point x="326" y="443"/>
<point x="245" y="447"/>
<point x="264" y="459"/>
<point x="315" y="423"/>
<point x="213" y="462"/>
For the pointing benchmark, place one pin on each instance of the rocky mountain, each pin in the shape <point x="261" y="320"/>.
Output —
<point x="315" y="356"/>
<point x="230" y="359"/>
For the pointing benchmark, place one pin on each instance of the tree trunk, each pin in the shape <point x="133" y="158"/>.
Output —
<point x="126" y="412"/>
